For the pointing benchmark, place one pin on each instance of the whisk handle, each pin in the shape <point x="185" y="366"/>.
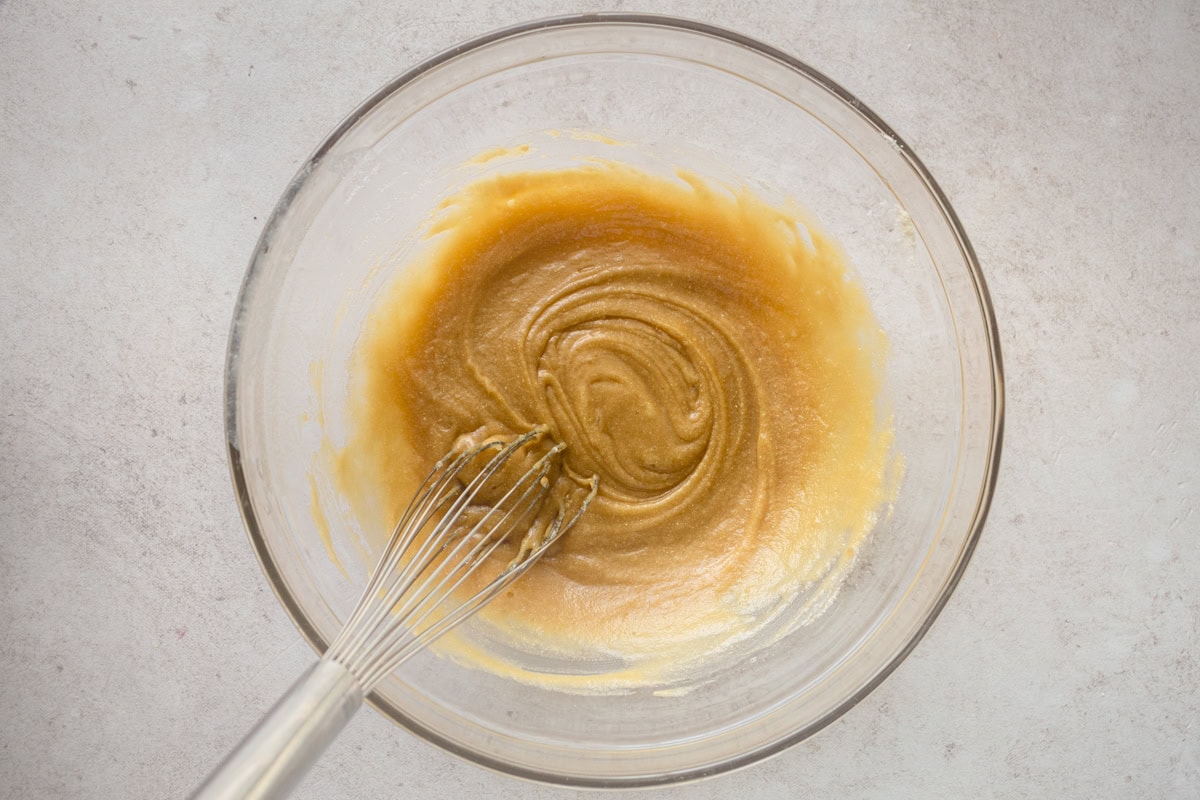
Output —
<point x="274" y="756"/>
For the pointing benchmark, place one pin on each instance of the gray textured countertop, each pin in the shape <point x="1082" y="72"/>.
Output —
<point x="141" y="146"/>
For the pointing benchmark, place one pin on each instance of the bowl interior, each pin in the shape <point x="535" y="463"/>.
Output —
<point x="660" y="95"/>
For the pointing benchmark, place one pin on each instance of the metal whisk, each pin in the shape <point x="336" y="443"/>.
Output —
<point x="449" y="530"/>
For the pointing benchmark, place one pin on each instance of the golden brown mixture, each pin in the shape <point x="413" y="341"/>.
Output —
<point x="700" y="351"/>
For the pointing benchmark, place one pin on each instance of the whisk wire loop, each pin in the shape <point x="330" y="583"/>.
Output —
<point x="433" y="552"/>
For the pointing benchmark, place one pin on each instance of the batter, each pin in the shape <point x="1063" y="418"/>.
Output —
<point x="704" y="354"/>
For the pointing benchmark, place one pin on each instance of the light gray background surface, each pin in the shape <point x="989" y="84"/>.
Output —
<point x="142" y="145"/>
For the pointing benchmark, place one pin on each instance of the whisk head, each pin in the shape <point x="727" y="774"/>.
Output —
<point x="463" y="512"/>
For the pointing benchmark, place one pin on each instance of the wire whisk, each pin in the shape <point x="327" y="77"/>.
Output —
<point x="458" y="519"/>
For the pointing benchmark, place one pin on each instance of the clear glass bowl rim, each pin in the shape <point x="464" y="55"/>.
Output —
<point x="253" y="273"/>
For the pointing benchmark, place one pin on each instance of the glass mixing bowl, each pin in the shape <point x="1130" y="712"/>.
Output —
<point x="668" y="93"/>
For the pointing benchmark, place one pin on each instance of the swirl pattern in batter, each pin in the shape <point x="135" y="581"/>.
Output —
<point x="703" y="353"/>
